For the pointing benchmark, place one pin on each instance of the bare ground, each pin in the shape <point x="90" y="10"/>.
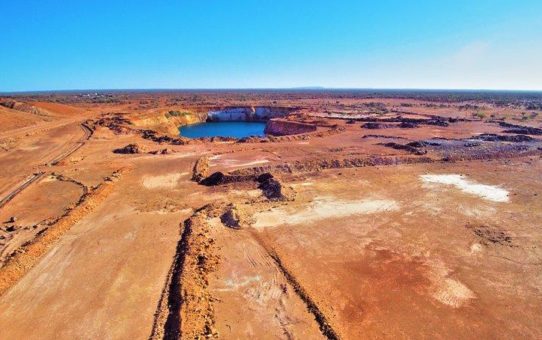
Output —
<point x="414" y="228"/>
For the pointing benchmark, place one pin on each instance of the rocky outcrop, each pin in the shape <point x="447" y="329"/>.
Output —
<point x="375" y="125"/>
<point x="165" y="151"/>
<point x="410" y="147"/>
<point x="490" y="137"/>
<point x="271" y="188"/>
<point x="201" y="168"/>
<point x="215" y="178"/>
<point x="332" y="163"/>
<point x="219" y="178"/>
<point x="128" y="149"/>
<point x="235" y="217"/>
<point x="23" y="107"/>
<point x="402" y="125"/>
<point x="519" y="129"/>
<point x="283" y="127"/>
<point x="408" y="125"/>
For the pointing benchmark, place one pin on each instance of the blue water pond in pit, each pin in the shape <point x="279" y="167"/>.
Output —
<point x="223" y="129"/>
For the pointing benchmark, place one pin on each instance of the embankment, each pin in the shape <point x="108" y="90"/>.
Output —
<point x="283" y="127"/>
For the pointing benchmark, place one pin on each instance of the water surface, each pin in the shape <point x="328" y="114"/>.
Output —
<point x="223" y="129"/>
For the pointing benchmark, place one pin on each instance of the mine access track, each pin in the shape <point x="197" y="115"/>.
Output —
<point x="21" y="187"/>
<point x="35" y="177"/>
<point x="88" y="133"/>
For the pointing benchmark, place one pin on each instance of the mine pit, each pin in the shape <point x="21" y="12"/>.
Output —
<point x="234" y="122"/>
<point x="246" y="122"/>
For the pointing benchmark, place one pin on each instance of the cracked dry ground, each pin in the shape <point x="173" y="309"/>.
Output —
<point x="350" y="239"/>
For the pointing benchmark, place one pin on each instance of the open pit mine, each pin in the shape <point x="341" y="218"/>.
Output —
<point x="326" y="215"/>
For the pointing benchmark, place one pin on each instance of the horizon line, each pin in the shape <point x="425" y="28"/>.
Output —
<point x="297" y="88"/>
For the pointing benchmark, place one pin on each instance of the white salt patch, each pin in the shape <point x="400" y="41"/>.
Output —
<point x="430" y="207"/>
<point x="30" y="148"/>
<point x="167" y="211"/>
<point x="488" y="192"/>
<point x="130" y="236"/>
<point x="48" y="179"/>
<point x="250" y="193"/>
<point x="446" y="290"/>
<point x="168" y="181"/>
<point x="218" y="160"/>
<point x="237" y="163"/>
<point x="181" y="155"/>
<point x="235" y="283"/>
<point x="475" y="248"/>
<point x="478" y="211"/>
<point x="261" y="161"/>
<point x="322" y="208"/>
<point x="452" y="293"/>
<point x="213" y="160"/>
<point x="304" y="184"/>
<point x="264" y="292"/>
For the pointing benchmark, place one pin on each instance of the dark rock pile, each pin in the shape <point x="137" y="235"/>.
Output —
<point x="271" y="188"/>
<point x="490" y="137"/>
<point x="522" y="130"/>
<point x="128" y="149"/>
<point x="413" y="148"/>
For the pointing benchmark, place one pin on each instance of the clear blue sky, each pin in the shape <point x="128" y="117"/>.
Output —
<point x="50" y="45"/>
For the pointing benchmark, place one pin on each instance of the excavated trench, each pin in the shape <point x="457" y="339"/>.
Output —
<point x="186" y="306"/>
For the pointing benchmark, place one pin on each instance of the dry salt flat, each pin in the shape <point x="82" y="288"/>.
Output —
<point x="322" y="208"/>
<point x="488" y="192"/>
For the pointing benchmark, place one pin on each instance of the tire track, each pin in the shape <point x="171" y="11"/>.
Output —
<point x="323" y="323"/>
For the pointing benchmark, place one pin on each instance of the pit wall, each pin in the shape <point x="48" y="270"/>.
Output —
<point x="164" y="123"/>
<point x="283" y="127"/>
<point x="258" y="113"/>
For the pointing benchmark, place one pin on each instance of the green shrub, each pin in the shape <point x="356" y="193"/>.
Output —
<point x="173" y="113"/>
<point x="479" y="114"/>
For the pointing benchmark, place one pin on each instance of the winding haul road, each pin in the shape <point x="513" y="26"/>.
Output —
<point x="87" y="133"/>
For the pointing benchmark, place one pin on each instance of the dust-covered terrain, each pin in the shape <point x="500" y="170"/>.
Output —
<point x="360" y="214"/>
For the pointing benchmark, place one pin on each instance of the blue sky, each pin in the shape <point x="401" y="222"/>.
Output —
<point x="475" y="44"/>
